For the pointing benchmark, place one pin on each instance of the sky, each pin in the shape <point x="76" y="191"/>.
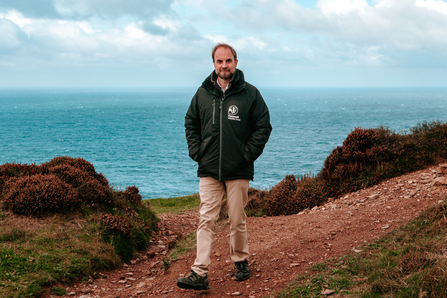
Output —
<point x="167" y="43"/>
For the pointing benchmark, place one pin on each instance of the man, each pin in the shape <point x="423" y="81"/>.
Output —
<point x="227" y="126"/>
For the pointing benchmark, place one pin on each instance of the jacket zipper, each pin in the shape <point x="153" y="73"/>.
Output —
<point x="220" y="141"/>
<point x="214" y="110"/>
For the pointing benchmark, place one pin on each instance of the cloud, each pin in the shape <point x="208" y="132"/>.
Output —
<point x="176" y="36"/>
<point x="366" y="33"/>
<point x="11" y="37"/>
<point x="113" y="8"/>
<point x="31" y="8"/>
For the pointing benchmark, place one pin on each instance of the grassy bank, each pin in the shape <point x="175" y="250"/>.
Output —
<point x="61" y="222"/>
<point x="408" y="262"/>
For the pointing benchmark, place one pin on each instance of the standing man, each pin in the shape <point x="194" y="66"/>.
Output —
<point x="227" y="126"/>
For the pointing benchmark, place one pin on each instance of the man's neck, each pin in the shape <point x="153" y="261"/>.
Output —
<point x="223" y="83"/>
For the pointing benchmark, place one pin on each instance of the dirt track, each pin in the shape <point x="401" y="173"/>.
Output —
<point x="280" y="247"/>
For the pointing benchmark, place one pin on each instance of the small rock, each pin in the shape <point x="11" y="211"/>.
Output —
<point x="71" y="294"/>
<point x="294" y="265"/>
<point x="357" y="250"/>
<point x="140" y="292"/>
<point x="440" y="181"/>
<point x="140" y="285"/>
<point x="129" y="273"/>
<point x="236" y="294"/>
<point x="385" y="227"/>
<point x="328" y="292"/>
<point x="85" y="296"/>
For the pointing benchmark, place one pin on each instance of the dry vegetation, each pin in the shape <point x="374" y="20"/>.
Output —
<point x="61" y="222"/>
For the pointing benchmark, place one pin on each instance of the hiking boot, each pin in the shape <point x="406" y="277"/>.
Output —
<point x="193" y="281"/>
<point x="243" y="271"/>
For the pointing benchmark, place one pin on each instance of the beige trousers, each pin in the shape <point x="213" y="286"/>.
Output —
<point x="211" y="194"/>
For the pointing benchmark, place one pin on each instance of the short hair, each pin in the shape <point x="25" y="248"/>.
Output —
<point x="223" y="45"/>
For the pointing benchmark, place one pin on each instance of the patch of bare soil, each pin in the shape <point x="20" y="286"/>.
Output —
<point x="281" y="248"/>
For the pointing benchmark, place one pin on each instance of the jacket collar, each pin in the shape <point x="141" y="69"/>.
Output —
<point x="236" y="84"/>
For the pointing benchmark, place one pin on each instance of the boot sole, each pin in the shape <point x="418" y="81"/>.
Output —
<point x="242" y="278"/>
<point x="192" y="287"/>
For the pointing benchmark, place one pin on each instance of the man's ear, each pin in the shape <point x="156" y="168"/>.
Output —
<point x="235" y="63"/>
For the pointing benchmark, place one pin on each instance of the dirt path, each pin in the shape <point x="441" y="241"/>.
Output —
<point x="281" y="248"/>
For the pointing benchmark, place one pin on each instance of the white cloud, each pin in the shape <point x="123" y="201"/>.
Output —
<point x="439" y="6"/>
<point x="175" y="36"/>
<point x="112" y="8"/>
<point x="342" y="6"/>
<point x="11" y="37"/>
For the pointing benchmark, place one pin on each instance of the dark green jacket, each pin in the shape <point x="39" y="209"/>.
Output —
<point x="227" y="133"/>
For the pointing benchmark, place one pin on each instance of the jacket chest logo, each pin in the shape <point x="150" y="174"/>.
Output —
<point x="232" y="113"/>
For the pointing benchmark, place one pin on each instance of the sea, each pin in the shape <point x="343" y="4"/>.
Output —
<point x="137" y="136"/>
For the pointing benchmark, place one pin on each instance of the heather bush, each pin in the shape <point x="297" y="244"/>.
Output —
<point x="128" y="226"/>
<point x="13" y="170"/>
<point x="78" y="163"/>
<point x="310" y="192"/>
<point x="39" y="195"/>
<point x="279" y="200"/>
<point x="257" y="200"/>
<point x="89" y="190"/>
<point x="132" y="195"/>
<point x="366" y="157"/>
<point x="116" y="224"/>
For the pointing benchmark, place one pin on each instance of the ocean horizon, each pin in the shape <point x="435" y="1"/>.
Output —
<point x="136" y="136"/>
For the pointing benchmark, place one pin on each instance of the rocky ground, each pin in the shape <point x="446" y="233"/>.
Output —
<point x="281" y="248"/>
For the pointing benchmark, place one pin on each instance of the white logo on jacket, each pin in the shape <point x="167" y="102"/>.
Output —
<point x="232" y="113"/>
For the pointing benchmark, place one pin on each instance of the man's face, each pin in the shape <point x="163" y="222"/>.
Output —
<point x="224" y="63"/>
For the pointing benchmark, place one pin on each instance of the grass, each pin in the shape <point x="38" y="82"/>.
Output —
<point x="38" y="253"/>
<point x="174" y="205"/>
<point x="408" y="262"/>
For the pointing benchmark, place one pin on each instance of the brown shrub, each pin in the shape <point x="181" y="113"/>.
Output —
<point x="360" y="150"/>
<point x="13" y="170"/>
<point x="359" y="140"/>
<point x="89" y="189"/>
<point x="256" y="199"/>
<point x="117" y="224"/>
<point x="280" y="199"/>
<point x="78" y="163"/>
<point x="310" y="192"/>
<point x="69" y="174"/>
<point x="331" y="162"/>
<point x="39" y="195"/>
<point x="94" y="193"/>
<point x="132" y="195"/>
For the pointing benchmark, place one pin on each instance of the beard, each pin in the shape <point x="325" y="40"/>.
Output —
<point x="227" y="75"/>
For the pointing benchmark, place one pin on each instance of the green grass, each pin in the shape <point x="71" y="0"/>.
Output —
<point x="38" y="253"/>
<point x="408" y="262"/>
<point x="174" y="205"/>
